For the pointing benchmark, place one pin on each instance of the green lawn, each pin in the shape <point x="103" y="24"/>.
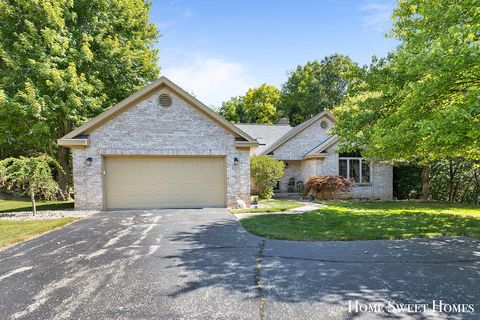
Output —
<point x="370" y="220"/>
<point x="26" y="205"/>
<point x="275" y="206"/>
<point x="12" y="231"/>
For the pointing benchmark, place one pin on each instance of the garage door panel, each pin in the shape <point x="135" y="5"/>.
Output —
<point x="164" y="182"/>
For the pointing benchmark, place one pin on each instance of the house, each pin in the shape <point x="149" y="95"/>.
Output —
<point x="162" y="148"/>
<point x="159" y="148"/>
<point x="309" y="150"/>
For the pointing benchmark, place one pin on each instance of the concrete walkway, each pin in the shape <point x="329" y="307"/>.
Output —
<point x="307" y="207"/>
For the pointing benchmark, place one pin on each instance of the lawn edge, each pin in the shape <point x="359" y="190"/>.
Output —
<point x="8" y="246"/>
<point x="269" y="210"/>
<point x="352" y="240"/>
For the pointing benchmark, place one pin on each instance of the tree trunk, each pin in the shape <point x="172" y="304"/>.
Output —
<point x="34" y="205"/>
<point x="64" y="177"/>
<point x="425" y="182"/>
<point x="63" y="157"/>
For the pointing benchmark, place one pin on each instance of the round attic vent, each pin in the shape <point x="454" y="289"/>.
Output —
<point x="324" y="124"/>
<point x="165" y="100"/>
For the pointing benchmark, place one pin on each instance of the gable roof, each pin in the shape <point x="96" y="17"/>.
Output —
<point x="124" y="105"/>
<point x="324" y="145"/>
<point x="296" y="130"/>
<point x="265" y="134"/>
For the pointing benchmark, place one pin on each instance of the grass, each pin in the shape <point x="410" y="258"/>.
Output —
<point x="12" y="231"/>
<point x="16" y="205"/>
<point x="370" y="220"/>
<point x="274" y="206"/>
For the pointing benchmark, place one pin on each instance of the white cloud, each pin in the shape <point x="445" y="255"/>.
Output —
<point x="378" y="14"/>
<point x="211" y="80"/>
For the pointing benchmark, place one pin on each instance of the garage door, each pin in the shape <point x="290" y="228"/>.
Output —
<point x="164" y="182"/>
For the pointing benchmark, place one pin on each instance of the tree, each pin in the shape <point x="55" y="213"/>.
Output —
<point x="32" y="175"/>
<point x="63" y="62"/>
<point x="260" y="104"/>
<point x="455" y="180"/>
<point x="421" y="103"/>
<point x="233" y="110"/>
<point x="407" y="182"/>
<point x="264" y="173"/>
<point x="316" y="86"/>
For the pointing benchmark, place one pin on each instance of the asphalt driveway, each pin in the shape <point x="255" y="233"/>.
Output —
<point x="201" y="264"/>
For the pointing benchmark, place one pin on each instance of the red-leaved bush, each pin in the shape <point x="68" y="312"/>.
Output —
<point x="326" y="187"/>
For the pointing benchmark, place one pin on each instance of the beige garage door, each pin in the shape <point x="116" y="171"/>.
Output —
<point x="164" y="182"/>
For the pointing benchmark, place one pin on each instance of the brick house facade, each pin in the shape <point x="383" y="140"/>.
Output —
<point x="143" y="153"/>
<point x="143" y="128"/>
<point x="309" y="150"/>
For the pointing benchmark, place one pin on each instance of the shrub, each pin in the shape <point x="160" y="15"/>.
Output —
<point x="326" y="187"/>
<point x="264" y="173"/>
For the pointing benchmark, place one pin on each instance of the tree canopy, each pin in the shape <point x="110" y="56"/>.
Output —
<point x="259" y="105"/>
<point x="316" y="86"/>
<point x="63" y="62"/>
<point x="233" y="110"/>
<point x="32" y="175"/>
<point x="310" y="89"/>
<point x="422" y="102"/>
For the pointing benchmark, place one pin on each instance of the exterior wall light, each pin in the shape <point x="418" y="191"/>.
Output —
<point x="235" y="161"/>
<point x="88" y="161"/>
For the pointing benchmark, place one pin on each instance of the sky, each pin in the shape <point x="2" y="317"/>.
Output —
<point x="217" y="49"/>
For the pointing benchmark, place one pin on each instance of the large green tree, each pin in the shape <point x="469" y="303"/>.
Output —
<point x="233" y="110"/>
<point x="259" y="105"/>
<point x="65" y="61"/>
<point x="421" y="103"/>
<point x="316" y="86"/>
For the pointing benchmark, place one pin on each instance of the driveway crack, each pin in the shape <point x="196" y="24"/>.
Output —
<point x="258" y="280"/>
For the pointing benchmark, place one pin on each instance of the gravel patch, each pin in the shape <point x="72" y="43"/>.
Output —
<point x="47" y="214"/>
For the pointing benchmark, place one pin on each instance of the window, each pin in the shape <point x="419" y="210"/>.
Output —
<point x="354" y="168"/>
<point x="291" y="185"/>
<point x="276" y="187"/>
<point x="343" y="168"/>
<point x="300" y="186"/>
<point x="365" y="172"/>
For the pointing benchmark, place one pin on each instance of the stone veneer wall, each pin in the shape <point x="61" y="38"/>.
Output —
<point x="304" y="142"/>
<point x="150" y="129"/>
<point x="381" y="186"/>
<point x="294" y="169"/>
